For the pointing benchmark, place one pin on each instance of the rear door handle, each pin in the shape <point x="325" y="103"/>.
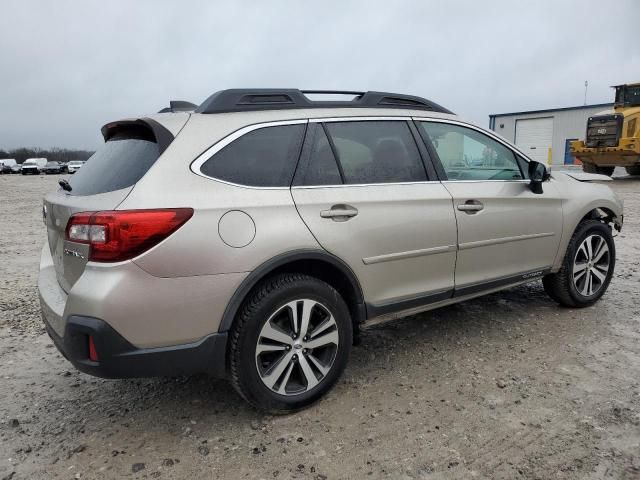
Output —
<point x="340" y="213"/>
<point x="470" y="206"/>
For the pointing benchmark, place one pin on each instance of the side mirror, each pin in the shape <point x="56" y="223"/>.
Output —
<point x="537" y="174"/>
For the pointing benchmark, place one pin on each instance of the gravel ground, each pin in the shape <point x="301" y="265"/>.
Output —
<point x="507" y="386"/>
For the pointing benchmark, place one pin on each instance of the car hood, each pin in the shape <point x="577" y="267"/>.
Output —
<point x="585" y="177"/>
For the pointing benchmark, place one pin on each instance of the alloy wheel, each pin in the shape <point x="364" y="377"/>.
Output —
<point x="591" y="265"/>
<point x="297" y="347"/>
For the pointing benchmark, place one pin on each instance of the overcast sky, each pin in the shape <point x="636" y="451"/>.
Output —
<point x="68" y="67"/>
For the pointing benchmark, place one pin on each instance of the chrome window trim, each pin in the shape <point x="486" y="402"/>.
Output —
<point x="524" y="180"/>
<point x="216" y="147"/>
<point x="196" y="165"/>
<point x="488" y="133"/>
<point x="360" y="119"/>
<point x="344" y="185"/>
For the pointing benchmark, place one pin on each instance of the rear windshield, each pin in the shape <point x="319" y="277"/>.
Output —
<point x="119" y="163"/>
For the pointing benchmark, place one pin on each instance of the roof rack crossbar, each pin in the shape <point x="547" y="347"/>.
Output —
<point x="256" y="99"/>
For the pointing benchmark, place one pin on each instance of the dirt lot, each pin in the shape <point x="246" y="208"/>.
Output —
<point x="508" y="386"/>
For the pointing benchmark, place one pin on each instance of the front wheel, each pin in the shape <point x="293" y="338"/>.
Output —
<point x="587" y="267"/>
<point x="290" y="343"/>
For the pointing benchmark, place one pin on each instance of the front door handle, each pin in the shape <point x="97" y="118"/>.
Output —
<point x="471" y="206"/>
<point x="340" y="213"/>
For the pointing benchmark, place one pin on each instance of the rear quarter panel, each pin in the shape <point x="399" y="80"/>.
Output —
<point x="197" y="248"/>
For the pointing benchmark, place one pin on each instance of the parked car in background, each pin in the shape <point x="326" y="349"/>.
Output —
<point x="16" y="168"/>
<point x="52" y="167"/>
<point x="6" y="164"/>
<point x="290" y="223"/>
<point x="33" y="166"/>
<point x="74" y="165"/>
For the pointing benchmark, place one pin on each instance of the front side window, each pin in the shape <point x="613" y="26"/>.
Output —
<point x="376" y="152"/>
<point x="467" y="154"/>
<point x="265" y="157"/>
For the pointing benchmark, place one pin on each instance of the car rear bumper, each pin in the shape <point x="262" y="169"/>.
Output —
<point x="117" y="358"/>
<point x="139" y="323"/>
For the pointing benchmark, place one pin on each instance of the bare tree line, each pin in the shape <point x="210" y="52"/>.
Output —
<point x="51" y="154"/>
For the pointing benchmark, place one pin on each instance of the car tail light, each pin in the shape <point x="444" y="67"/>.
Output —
<point x="114" y="236"/>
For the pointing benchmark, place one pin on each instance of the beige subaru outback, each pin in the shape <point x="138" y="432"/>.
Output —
<point x="252" y="236"/>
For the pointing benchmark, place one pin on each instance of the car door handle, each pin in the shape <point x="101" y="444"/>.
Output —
<point x="471" y="206"/>
<point x="340" y="213"/>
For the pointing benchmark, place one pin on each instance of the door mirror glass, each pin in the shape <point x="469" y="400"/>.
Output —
<point x="537" y="175"/>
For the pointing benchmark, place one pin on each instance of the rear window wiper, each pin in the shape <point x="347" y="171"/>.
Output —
<point x="65" y="185"/>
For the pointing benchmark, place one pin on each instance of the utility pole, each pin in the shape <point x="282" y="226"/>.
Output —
<point x="586" y="86"/>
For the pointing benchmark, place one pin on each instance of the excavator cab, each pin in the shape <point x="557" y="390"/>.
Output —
<point x="613" y="138"/>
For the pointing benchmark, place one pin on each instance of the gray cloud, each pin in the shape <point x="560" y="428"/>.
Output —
<point x="69" y="67"/>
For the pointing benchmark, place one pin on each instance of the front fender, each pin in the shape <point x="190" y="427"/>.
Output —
<point x="585" y="200"/>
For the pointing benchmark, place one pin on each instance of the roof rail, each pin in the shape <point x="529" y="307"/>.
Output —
<point x="179" y="106"/>
<point x="255" y="99"/>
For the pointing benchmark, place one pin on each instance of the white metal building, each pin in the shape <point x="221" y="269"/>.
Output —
<point x="544" y="135"/>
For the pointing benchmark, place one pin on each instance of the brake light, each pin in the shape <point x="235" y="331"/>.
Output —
<point x="114" y="236"/>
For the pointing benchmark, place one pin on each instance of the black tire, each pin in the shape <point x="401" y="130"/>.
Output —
<point x="591" y="168"/>
<point x="265" y="301"/>
<point x="633" y="169"/>
<point x="561" y="286"/>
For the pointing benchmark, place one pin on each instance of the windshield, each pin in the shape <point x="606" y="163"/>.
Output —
<point x="628" y="96"/>
<point x="52" y="164"/>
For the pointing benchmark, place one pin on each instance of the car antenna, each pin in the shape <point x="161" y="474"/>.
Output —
<point x="65" y="185"/>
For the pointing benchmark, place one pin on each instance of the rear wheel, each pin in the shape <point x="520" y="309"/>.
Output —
<point x="591" y="168"/>
<point x="633" y="169"/>
<point x="587" y="267"/>
<point x="290" y="343"/>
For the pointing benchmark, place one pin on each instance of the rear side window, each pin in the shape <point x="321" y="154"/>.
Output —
<point x="265" y="157"/>
<point x="323" y="168"/>
<point x="119" y="163"/>
<point x="376" y="152"/>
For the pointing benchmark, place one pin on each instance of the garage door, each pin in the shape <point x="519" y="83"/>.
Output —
<point x="533" y="137"/>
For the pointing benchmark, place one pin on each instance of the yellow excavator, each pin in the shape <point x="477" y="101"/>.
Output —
<point x="613" y="139"/>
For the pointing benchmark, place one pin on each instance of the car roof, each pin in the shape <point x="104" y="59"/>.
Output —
<point x="168" y="120"/>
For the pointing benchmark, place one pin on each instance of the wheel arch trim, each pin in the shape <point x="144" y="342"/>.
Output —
<point x="279" y="261"/>
<point x="598" y="209"/>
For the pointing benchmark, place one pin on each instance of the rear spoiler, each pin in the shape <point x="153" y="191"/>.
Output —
<point x="144" y="127"/>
